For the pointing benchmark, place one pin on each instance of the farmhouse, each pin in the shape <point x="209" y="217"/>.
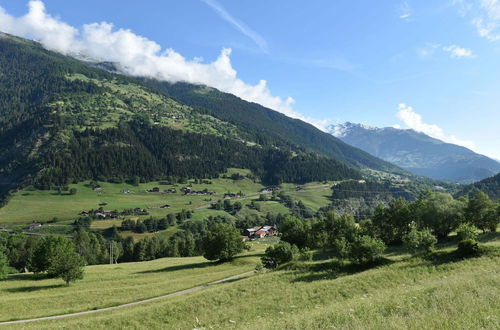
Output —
<point x="260" y="231"/>
<point x="106" y="214"/>
<point x="34" y="225"/>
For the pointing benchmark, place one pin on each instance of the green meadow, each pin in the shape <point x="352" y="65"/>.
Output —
<point x="30" y="295"/>
<point x="31" y="205"/>
<point x="438" y="292"/>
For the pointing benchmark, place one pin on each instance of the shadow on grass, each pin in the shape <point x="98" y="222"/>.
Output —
<point x="26" y="277"/>
<point x="333" y="269"/>
<point x="200" y="265"/>
<point x="34" y="288"/>
<point x="445" y="257"/>
<point x="488" y="237"/>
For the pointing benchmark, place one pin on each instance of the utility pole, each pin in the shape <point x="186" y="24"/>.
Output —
<point x="110" y="252"/>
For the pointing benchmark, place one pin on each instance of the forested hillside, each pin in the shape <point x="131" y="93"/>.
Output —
<point x="491" y="186"/>
<point x="63" y="120"/>
<point x="266" y="125"/>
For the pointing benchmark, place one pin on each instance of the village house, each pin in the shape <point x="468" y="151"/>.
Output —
<point x="106" y="214"/>
<point x="97" y="188"/>
<point x="34" y="225"/>
<point x="260" y="232"/>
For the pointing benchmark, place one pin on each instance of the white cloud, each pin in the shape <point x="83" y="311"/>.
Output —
<point x="458" y="52"/>
<point x="139" y="56"/>
<point x="454" y="51"/>
<point x="414" y="121"/>
<point x="238" y="25"/>
<point x="405" y="11"/>
<point x="485" y="16"/>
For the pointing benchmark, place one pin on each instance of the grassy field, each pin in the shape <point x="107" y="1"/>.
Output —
<point x="37" y="205"/>
<point x="404" y="293"/>
<point x="29" y="295"/>
<point x="27" y="206"/>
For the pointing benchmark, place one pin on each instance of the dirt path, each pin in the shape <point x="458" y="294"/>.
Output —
<point x="106" y="309"/>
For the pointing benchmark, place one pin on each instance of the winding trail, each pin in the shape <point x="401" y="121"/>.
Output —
<point x="140" y="302"/>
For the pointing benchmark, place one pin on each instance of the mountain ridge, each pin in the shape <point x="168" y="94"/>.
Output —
<point x="64" y="120"/>
<point x="418" y="152"/>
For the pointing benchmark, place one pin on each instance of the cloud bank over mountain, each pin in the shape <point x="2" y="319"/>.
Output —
<point x="139" y="56"/>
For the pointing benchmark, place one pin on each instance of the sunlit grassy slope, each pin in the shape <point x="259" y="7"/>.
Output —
<point x="27" y="206"/>
<point x="405" y="293"/>
<point x="28" y="295"/>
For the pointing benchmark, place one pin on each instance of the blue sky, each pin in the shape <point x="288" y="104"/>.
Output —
<point x="430" y="65"/>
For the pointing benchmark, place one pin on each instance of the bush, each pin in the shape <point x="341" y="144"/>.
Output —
<point x="366" y="249"/>
<point x="341" y="248"/>
<point x="278" y="254"/>
<point x="419" y="241"/>
<point x="72" y="191"/>
<point x="305" y="254"/>
<point x="467" y="232"/>
<point x="468" y="248"/>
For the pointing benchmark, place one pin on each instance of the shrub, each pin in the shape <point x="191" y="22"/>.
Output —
<point x="341" y="248"/>
<point x="305" y="254"/>
<point x="467" y="232"/>
<point x="366" y="249"/>
<point x="419" y="241"/>
<point x="259" y="267"/>
<point x="73" y="191"/>
<point x="279" y="254"/>
<point x="468" y="248"/>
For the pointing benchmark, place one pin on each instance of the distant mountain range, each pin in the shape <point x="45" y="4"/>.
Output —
<point x="418" y="152"/>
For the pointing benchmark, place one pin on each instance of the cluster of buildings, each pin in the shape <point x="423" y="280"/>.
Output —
<point x="157" y="190"/>
<point x="191" y="191"/>
<point x="259" y="232"/>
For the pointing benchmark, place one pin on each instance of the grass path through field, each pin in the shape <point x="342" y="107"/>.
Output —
<point x="174" y="294"/>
